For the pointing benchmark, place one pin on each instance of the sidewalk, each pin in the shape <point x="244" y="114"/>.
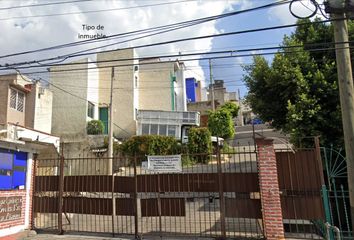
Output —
<point x="31" y="235"/>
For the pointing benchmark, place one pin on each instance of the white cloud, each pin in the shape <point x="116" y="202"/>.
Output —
<point x="302" y="8"/>
<point x="34" y="33"/>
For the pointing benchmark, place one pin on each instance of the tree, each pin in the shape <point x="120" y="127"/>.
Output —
<point x="232" y="108"/>
<point x="220" y="124"/>
<point x="298" y="91"/>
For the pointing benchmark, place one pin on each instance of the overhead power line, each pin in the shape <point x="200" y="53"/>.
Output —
<point x="307" y="46"/>
<point x="195" y="21"/>
<point x="193" y="59"/>
<point x="43" y="4"/>
<point x="92" y="11"/>
<point x="165" y="42"/>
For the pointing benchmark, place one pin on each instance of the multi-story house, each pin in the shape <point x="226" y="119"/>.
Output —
<point x="25" y="123"/>
<point x="137" y="85"/>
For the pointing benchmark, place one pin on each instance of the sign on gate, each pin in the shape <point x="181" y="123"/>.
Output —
<point x="165" y="164"/>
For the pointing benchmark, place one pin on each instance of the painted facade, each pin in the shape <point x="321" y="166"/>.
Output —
<point x="147" y="84"/>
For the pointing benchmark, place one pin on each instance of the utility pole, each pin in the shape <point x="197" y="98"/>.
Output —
<point x="240" y="116"/>
<point x="346" y="92"/>
<point x="110" y="128"/>
<point x="211" y="88"/>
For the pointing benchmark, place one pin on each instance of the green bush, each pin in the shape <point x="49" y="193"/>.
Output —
<point x="199" y="142"/>
<point x="95" y="127"/>
<point x="149" y="145"/>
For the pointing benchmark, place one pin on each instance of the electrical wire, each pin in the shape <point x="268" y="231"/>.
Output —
<point x="229" y="55"/>
<point x="196" y="21"/>
<point x="175" y="41"/>
<point x="312" y="14"/>
<point x="43" y="4"/>
<point x="93" y="11"/>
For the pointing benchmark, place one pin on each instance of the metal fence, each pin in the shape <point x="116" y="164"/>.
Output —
<point x="214" y="196"/>
<point x="335" y="193"/>
<point x="300" y="184"/>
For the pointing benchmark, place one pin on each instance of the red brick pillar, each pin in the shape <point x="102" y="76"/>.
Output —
<point x="269" y="187"/>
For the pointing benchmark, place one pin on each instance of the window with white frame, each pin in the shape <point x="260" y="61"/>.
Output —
<point x="159" y="129"/>
<point x="17" y="100"/>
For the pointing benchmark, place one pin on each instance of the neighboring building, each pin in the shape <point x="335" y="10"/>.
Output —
<point x="193" y="89"/>
<point x="220" y="93"/>
<point x="25" y="103"/>
<point x="24" y="107"/>
<point x="167" y="123"/>
<point x="18" y="147"/>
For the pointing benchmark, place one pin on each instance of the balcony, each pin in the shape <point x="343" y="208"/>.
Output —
<point x="169" y="117"/>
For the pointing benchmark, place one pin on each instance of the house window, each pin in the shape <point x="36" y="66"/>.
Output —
<point x="90" y="110"/>
<point x="17" y="100"/>
<point x="145" y="129"/>
<point x="162" y="130"/>
<point x="153" y="129"/>
<point x="171" y="130"/>
<point x="13" y="167"/>
<point x="158" y="129"/>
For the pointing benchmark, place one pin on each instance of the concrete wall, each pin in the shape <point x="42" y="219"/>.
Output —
<point x="123" y="89"/>
<point x="202" y="107"/>
<point x="155" y="85"/>
<point x="43" y="109"/>
<point x="181" y="99"/>
<point x="69" y="111"/>
<point x="4" y="96"/>
<point x="92" y="89"/>
<point x="39" y="108"/>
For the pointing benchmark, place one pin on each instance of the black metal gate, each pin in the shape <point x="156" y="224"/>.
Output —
<point x="214" y="196"/>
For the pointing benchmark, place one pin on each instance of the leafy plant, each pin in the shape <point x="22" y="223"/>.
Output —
<point x="199" y="144"/>
<point x="95" y="127"/>
<point x="149" y="145"/>
<point x="220" y="124"/>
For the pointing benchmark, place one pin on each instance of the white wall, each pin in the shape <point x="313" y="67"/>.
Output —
<point x="92" y="89"/>
<point x="181" y="88"/>
<point x="43" y="110"/>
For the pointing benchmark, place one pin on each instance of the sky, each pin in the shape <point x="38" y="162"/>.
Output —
<point x="25" y="28"/>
